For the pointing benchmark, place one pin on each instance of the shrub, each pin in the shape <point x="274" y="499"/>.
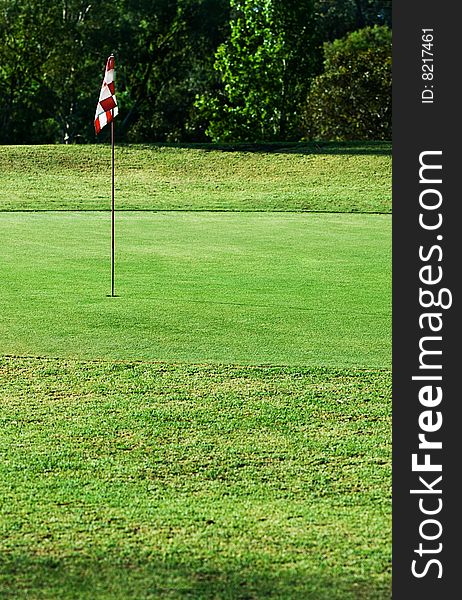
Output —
<point x="351" y="99"/>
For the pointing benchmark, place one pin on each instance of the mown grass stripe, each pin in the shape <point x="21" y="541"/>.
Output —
<point x="233" y="288"/>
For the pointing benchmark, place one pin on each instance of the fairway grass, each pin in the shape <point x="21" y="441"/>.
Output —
<point x="244" y="288"/>
<point x="205" y="482"/>
<point x="221" y="429"/>
<point x="301" y="177"/>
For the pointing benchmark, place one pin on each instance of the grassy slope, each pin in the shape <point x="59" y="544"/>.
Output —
<point x="174" y="481"/>
<point x="156" y="481"/>
<point x="253" y="288"/>
<point x="332" y="177"/>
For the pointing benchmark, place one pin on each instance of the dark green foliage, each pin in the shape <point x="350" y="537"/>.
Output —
<point x="335" y="18"/>
<point x="52" y="60"/>
<point x="351" y="100"/>
<point x="264" y="69"/>
<point x="166" y="60"/>
<point x="249" y="61"/>
<point x="51" y="57"/>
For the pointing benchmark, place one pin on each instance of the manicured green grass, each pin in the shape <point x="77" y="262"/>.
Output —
<point x="245" y="288"/>
<point x="129" y="480"/>
<point x="327" y="177"/>
<point x="221" y="429"/>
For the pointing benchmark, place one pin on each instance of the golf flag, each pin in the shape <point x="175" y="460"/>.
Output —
<point x="106" y="109"/>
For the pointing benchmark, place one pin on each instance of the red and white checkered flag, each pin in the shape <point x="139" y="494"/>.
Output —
<point x="107" y="103"/>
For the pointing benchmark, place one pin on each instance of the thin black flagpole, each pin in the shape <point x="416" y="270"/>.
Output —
<point x="112" y="215"/>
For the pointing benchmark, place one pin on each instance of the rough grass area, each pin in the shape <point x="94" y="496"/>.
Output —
<point x="287" y="177"/>
<point x="245" y="288"/>
<point x="129" y="480"/>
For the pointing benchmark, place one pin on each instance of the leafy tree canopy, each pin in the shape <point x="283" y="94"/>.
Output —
<point x="186" y="70"/>
<point x="263" y="69"/>
<point x="351" y="99"/>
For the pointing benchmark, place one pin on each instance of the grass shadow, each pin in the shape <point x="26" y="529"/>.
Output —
<point x="118" y="579"/>
<point x="375" y="148"/>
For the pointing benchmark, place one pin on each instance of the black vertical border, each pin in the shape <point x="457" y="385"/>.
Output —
<point x="419" y="127"/>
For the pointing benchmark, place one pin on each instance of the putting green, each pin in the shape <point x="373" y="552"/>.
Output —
<point x="245" y="288"/>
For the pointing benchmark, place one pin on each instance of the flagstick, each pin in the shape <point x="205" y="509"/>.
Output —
<point x="113" y="214"/>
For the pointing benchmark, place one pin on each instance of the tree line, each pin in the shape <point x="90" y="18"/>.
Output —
<point x="197" y="70"/>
